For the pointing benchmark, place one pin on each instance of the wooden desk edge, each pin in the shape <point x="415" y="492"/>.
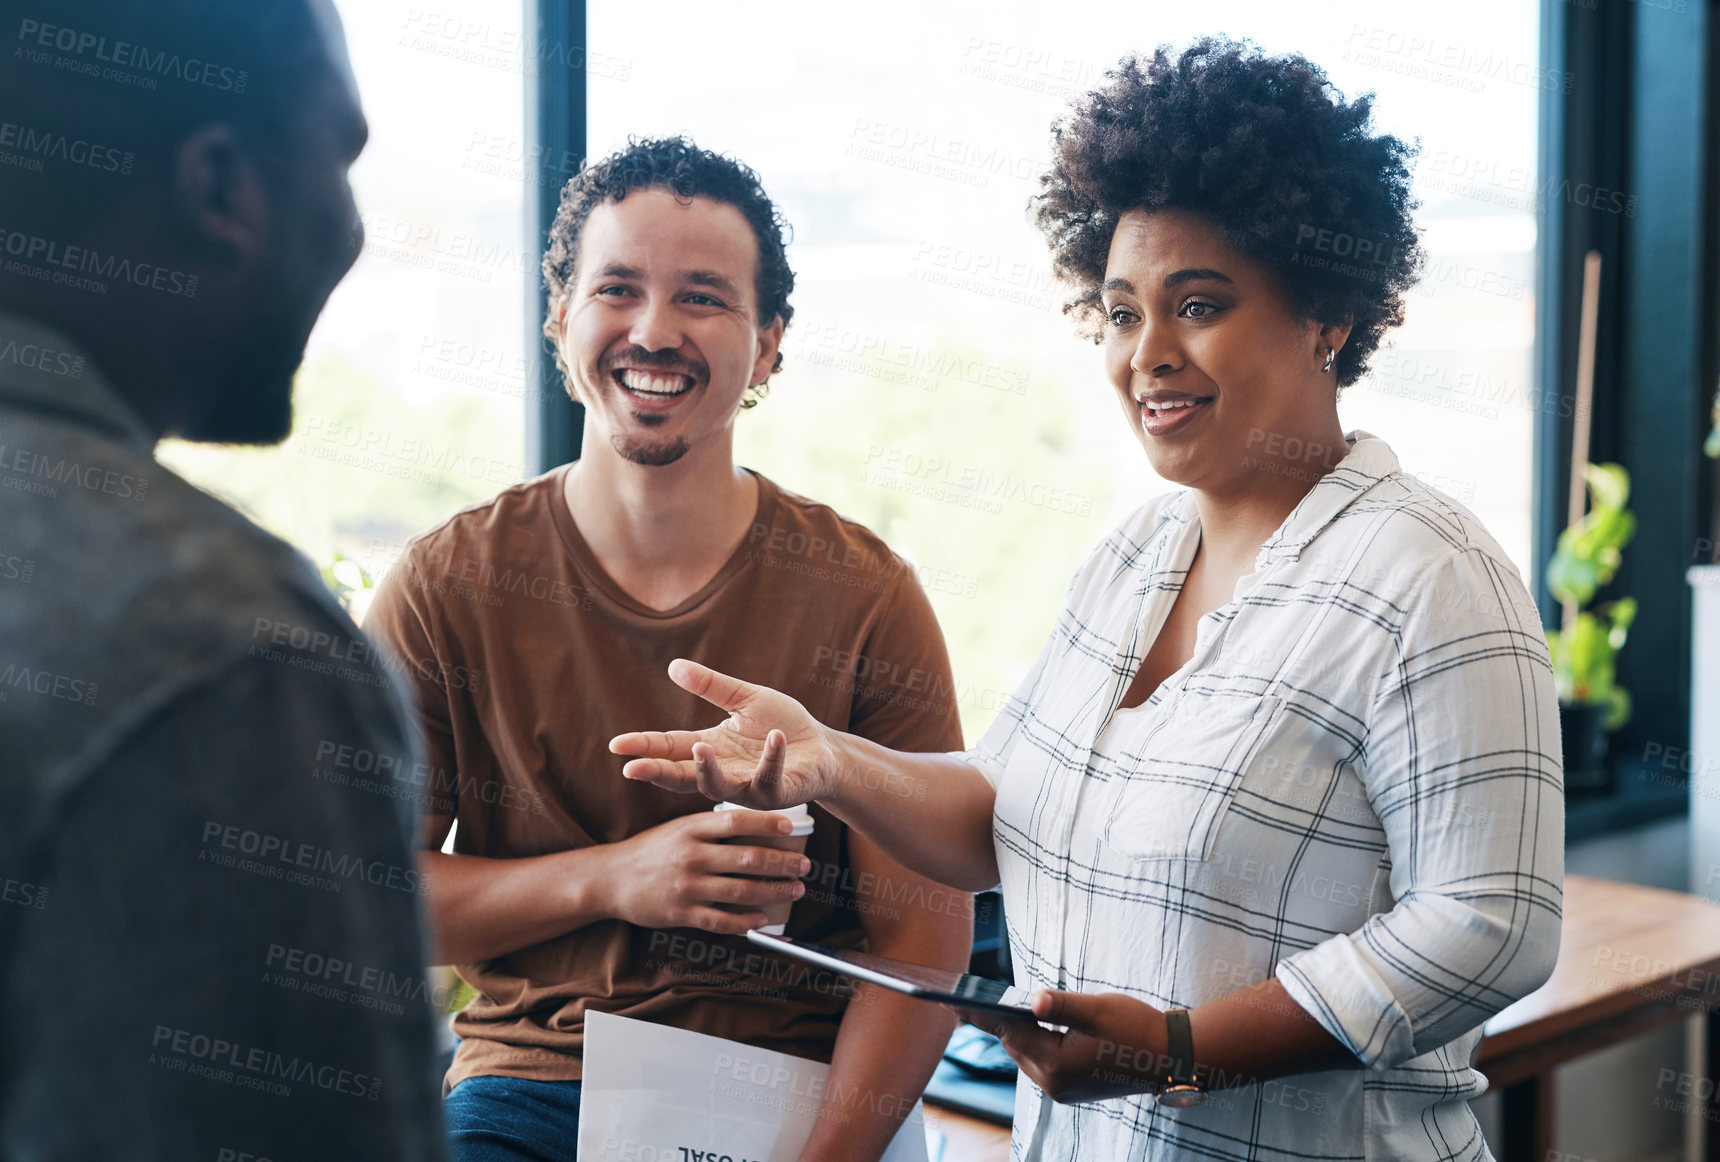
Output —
<point x="1526" y="1049"/>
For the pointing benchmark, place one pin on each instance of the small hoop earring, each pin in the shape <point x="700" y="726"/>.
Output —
<point x="1330" y="355"/>
<point x="754" y="394"/>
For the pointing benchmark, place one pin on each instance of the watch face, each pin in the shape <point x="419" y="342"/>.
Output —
<point x="1181" y="1096"/>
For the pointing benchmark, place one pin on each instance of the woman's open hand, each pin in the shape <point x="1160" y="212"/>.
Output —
<point x="769" y="754"/>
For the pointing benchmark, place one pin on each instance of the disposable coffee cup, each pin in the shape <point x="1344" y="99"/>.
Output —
<point x="794" y="841"/>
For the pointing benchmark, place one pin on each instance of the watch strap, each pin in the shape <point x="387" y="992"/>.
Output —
<point x="1179" y="1047"/>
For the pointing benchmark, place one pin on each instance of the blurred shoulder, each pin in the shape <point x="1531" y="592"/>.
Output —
<point x="793" y="523"/>
<point x="807" y="541"/>
<point x="520" y="510"/>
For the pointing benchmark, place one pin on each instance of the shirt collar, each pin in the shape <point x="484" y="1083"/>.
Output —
<point x="42" y="370"/>
<point x="1369" y="461"/>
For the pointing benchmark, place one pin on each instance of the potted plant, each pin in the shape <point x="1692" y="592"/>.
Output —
<point x="1585" y="651"/>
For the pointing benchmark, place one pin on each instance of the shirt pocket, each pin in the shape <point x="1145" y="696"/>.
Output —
<point x="1176" y="785"/>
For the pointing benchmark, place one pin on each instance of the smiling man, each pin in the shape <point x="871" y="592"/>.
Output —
<point x="570" y="889"/>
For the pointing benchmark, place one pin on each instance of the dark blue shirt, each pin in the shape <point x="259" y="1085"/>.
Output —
<point x="210" y="937"/>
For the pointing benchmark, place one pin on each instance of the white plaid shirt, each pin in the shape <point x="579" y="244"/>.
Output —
<point x="1355" y="785"/>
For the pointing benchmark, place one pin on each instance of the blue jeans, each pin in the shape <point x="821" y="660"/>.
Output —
<point x="508" y="1119"/>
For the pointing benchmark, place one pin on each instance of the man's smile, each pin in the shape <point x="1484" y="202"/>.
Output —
<point x="658" y="384"/>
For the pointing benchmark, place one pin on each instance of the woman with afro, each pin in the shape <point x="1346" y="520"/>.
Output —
<point x="1278" y="811"/>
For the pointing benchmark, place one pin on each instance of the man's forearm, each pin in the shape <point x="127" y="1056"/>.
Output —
<point x="889" y="1043"/>
<point x="885" y="1053"/>
<point x="483" y="908"/>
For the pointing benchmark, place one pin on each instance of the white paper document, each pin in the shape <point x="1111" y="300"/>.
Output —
<point x="654" y="1093"/>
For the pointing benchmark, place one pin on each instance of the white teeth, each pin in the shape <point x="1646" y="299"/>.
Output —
<point x="653" y="384"/>
<point x="1169" y="404"/>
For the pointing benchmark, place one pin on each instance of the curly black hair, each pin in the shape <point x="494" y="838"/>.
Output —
<point x="681" y="167"/>
<point x="1264" y="147"/>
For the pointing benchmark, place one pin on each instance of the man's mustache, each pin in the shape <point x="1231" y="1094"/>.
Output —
<point x="653" y="360"/>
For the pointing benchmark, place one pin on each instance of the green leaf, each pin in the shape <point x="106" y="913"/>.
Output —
<point x="1621" y="614"/>
<point x="1560" y="655"/>
<point x="1586" y="645"/>
<point x="1589" y="552"/>
<point x="1572" y="577"/>
<point x="1609" y="485"/>
<point x="1588" y="556"/>
<point x="1618" y="709"/>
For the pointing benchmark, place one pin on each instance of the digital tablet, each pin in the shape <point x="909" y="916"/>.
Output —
<point x="960" y="989"/>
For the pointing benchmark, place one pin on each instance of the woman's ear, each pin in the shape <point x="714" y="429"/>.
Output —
<point x="1334" y="335"/>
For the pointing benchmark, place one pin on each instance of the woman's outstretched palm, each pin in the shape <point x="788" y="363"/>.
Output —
<point x="769" y="754"/>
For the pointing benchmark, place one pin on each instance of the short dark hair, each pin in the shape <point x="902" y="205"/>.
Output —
<point x="681" y="167"/>
<point x="176" y="65"/>
<point x="1264" y="147"/>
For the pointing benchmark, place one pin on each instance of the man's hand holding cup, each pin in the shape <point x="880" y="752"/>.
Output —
<point x="723" y="871"/>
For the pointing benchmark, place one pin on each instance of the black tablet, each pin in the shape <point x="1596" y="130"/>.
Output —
<point x="960" y="989"/>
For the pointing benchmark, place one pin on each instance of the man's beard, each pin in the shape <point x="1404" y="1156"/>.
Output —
<point x="254" y="405"/>
<point x="651" y="453"/>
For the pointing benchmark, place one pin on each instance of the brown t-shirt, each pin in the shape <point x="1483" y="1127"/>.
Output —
<point x="539" y="659"/>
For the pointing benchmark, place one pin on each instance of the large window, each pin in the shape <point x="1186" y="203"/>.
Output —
<point x="409" y="401"/>
<point x="931" y="388"/>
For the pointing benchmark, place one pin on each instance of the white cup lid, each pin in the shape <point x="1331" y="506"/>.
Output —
<point x="797" y="815"/>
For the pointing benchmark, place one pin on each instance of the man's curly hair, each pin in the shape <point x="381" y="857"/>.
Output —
<point x="1265" y="148"/>
<point x="681" y="167"/>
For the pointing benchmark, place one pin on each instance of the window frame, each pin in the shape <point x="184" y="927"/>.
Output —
<point x="555" y="102"/>
<point x="1629" y="125"/>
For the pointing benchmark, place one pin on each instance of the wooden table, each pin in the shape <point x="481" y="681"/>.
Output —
<point x="1631" y="959"/>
